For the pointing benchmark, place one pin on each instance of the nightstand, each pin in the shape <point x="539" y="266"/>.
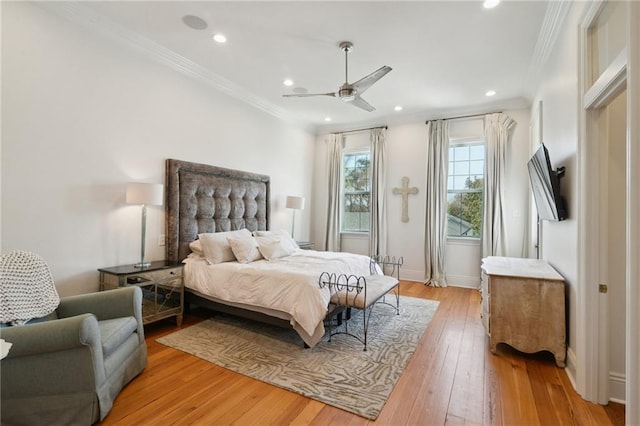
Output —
<point x="305" y="245"/>
<point x="161" y="283"/>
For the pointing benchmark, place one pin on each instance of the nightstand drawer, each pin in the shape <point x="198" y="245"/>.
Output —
<point x="163" y="275"/>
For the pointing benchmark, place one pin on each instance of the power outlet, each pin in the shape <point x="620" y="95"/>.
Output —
<point x="162" y="240"/>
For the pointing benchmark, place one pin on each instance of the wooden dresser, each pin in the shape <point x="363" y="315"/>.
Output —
<point x="523" y="305"/>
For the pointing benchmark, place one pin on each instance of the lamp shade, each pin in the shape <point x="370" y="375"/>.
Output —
<point x="150" y="194"/>
<point x="294" y="202"/>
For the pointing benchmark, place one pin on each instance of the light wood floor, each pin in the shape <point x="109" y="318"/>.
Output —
<point x="451" y="379"/>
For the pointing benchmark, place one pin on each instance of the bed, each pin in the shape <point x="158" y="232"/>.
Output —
<point x="223" y="206"/>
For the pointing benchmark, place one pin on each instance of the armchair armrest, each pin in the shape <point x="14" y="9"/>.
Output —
<point x="52" y="356"/>
<point x="52" y="336"/>
<point x="117" y="303"/>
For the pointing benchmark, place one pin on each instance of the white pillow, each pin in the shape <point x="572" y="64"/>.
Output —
<point x="273" y="247"/>
<point x="245" y="249"/>
<point x="282" y="234"/>
<point x="216" y="248"/>
<point x="196" y="247"/>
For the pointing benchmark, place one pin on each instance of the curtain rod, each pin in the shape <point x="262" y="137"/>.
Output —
<point x="362" y="130"/>
<point x="460" y="117"/>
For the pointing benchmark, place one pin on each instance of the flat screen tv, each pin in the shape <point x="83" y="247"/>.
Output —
<point x="545" y="183"/>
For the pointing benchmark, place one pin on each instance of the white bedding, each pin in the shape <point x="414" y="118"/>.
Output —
<point x="288" y="284"/>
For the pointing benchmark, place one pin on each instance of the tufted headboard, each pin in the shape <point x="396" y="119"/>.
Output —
<point x="202" y="198"/>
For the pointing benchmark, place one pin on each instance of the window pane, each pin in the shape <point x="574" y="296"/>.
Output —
<point x="466" y="184"/>
<point x="459" y="182"/>
<point x="462" y="153"/>
<point x="461" y="168"/>
<point x="476" y="152"/>
<point x="476" y="167"/>
<point x="356" y="192"/>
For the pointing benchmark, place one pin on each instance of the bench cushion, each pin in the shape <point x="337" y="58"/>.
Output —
<point x="376" y="285"/>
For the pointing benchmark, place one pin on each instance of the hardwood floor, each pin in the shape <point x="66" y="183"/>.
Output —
<point x="451" y="379"/>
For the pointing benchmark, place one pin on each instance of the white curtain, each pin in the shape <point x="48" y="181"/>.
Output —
<point x="498" y="129"/>
<point x="436" y="194"/>
<point x="334" y="149"/>
<point x="378" y="228"/>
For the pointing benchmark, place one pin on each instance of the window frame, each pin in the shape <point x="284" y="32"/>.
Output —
<point x="349" y="152"/>
<point x="467" y="141"/>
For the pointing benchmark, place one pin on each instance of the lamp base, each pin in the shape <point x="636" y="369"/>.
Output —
<point x="142" y="265"/>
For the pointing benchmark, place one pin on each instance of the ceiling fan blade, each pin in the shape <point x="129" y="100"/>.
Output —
<point x="361" y="103"/>
<point x="306" y="95"/>
<point x="365" y="82"/>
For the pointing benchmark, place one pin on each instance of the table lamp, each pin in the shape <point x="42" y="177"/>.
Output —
<point x="145" y="194"/>
<point x="295" y="203"/>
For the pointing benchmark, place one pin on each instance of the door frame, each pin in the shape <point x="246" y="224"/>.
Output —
<point x="592" y="367"/>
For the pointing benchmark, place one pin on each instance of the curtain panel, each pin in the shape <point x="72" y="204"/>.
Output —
<point x="378" y="226"/>
<point x="498" y="130"/>
<point x="436" y="202"/>
<point x="334" y="150"/>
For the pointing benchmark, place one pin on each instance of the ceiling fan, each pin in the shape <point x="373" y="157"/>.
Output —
<point x="350" y="92"/>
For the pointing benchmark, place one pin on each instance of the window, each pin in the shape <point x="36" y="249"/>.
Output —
<point x="465" y="187"/>
<point x="356" y="191"/>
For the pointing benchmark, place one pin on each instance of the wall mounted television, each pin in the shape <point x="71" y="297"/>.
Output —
<point x="545" y="184"/>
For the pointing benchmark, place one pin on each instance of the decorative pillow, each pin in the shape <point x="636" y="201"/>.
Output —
<point x="282" y="234"/>
<point x="216" y="248"/>
<point x="273" y="247"/>
<point x="196" y="247"/>
<point x="245" y="249"/>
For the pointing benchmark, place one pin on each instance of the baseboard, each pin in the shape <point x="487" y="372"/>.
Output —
<point x="452" y="280"/>
<point x="617" y="384"/>
<point x="463" y="281"/>
<point x="411" y="275"/>
<point x="571" y="367"/>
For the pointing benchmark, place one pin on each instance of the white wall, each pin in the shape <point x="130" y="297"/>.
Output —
<point x="83" y="114"/>
<point x="558" y="91"/>
<point x="406" y="155"/>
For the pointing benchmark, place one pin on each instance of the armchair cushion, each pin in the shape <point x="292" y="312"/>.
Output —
<point x="114" y="332"/>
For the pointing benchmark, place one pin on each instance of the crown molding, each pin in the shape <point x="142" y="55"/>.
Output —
<point x="426" y="115"/>
<point x="552" y="23"/>
<point x="88" y="18"/>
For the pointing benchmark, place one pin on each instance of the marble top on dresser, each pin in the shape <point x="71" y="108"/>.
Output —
<point x="517" y="267"/>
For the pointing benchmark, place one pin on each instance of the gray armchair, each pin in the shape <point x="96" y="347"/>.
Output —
<point x="68" y="367"/>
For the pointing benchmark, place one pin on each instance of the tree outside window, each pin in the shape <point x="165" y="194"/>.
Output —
<point x="465" y="189"/>
<point x="356" y="192"/>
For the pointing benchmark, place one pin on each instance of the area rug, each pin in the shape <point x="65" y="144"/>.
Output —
<point x="338" y="373"/>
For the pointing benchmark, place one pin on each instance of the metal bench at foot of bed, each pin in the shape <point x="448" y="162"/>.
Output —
<point x="363" y="292"/>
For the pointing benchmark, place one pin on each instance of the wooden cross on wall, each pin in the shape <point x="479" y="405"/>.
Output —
<point x="405" y="191"/>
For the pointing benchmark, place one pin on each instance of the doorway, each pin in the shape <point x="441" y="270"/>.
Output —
<point x="612" y="122"/>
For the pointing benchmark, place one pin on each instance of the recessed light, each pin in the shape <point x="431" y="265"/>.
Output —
<point x="490" y="93"/>
<point x="490" y="4"/>
<point x="397" y="108"/>
<point x="327" y="119"/>
<point x="220" y="38"/>
<point x="288" y="82"/>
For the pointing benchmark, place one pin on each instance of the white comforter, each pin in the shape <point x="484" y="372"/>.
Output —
<point x="288" y="284"/>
